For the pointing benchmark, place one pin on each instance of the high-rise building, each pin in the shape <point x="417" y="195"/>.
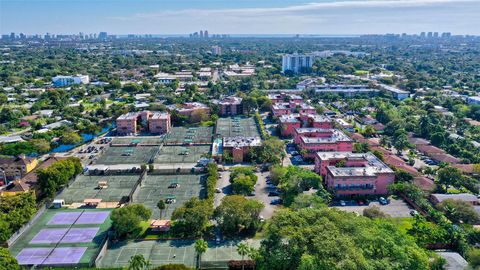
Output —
<point x="216" y="50"/>
<point x="422" y="35"/>
<point x="102" y="35"/>
<point x="297" y="62"/>
<point x="435" y="34"/>
<point x="201" y="33"/>
<point x="430" y="35"/>
<point x="12" y="35"/>
<point x="205" y="34"/>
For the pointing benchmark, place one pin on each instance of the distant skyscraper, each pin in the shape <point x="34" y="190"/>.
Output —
<point x="102" y="35"/>
<point x="435" y="35"/>
<point x="12" y="35"/>
<point x="205" y="34"/>
<point x="201" y="33"/>
<point x="430" y="35"/>
<point x="422" y="35"/>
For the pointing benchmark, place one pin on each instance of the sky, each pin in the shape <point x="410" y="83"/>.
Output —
<point x="321" y="17"/>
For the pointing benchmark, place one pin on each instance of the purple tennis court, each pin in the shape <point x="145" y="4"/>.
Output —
<point x="67" y="255"/>
<point x="80" y="235"/>
<point x="49" y="236"/>
<point x="31" y="256"/>
<point x="67" y="218"/>
<point x="93" y="217"/>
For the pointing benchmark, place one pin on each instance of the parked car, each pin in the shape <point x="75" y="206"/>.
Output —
<point x="413" y="213"/>
<point x="383" y="201"/>
<point x="343" y="203"/>
<point x="273" y="193"/>
<point x="276" y="202"/>
<point x="217" y="190"/>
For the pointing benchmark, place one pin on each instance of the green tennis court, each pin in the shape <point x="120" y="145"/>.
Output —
<point x="142" y="141"/>
<point x="237" y="126"/>
<point x="174" y="251"/>
<point x="86" y="187"/>
<point x="190" y="135"/>
<point x="182" y="154"/>
<point x="156" y="187"/>
<point x="127" y="155"/>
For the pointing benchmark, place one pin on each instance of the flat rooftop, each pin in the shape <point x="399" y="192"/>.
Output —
<point x="373" y="165"/>
<point x="241" y="141"/>
<point x="128" y="116"/>
<point x="336" y="136"/>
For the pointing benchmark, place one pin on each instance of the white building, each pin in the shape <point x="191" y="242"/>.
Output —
<point x="60" y="81"/>
<point x="297" y="62"/>
<point x="473" y="100"/>
<point x="216" y="50"/>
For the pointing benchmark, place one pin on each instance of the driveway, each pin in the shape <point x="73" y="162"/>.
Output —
<point x="396" y="208"/>
<point x="261" y="194"/>
<point x="223" y="183"/>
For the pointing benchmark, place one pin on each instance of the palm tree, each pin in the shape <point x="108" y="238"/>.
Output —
<point x="243" y="249"/>
<point x="138" y="262"/>
<point x="161" y="206"/>
<point x="201" y="247"/>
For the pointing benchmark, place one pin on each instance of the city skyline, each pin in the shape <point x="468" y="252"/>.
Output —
<point x="328" y="17"/>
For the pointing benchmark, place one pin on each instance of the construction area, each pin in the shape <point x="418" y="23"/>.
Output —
<point x="237" y="126"/>
<point x="63" y="237"/>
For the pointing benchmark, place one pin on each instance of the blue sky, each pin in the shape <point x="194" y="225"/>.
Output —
<point x="240" y="17"/>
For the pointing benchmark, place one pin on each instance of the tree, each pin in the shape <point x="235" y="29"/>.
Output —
<point x="161" y="206"/>
<point x="201" y="247"/>
<point x="324" y="238"/>
<point x="126" y="221"/>
<point x="70" y="138"/>
<point x="449" y="176"/>
<point x="243" y="180"/>
<point x="236" y="214"/>
<point x="369" y="131"/>
<point x="7" y="261"/>
<point x="473" y="257"/>
<point x="403" y="176"/>
<point x="57" y="175"/>
<point x="14" y="212"/>
<point x="138" y="262"/>
<point x="374" y="212"/>
<point x="243" y="249"/>
<point x="192" y="218"/>
<point x="459" y="211"/>
<point x="297" y="180"/>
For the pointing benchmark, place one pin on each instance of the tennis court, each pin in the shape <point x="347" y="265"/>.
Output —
<point x="237" y="126"/>
<point x="182" y="154"/>
<point x="118" y="188"/>
<point x="63" y="237"/>
<point x="174" y="251"/>
<point x="142" y="141"/>
<point x="190" y="135"/>
<point x="157" y="187"/>
<point x="127" y="155"/>
<point x="157" y="252"/>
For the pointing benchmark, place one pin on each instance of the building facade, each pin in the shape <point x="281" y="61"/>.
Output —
<point x="297" y="63"/>
<point x="14" y="168"/>
<point x="332" y="140"/>
<point x="349" y="174"/>
<point x="157" y="122"/>
<point x="230" y="106"/>
<point x="61" y="81"/>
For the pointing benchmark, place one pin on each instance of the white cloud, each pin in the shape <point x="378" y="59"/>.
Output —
<point x="334" y="17"/>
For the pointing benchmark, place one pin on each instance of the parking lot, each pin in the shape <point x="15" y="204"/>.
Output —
<point x="261" y="192"/>
<point x="395" y="208"/>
